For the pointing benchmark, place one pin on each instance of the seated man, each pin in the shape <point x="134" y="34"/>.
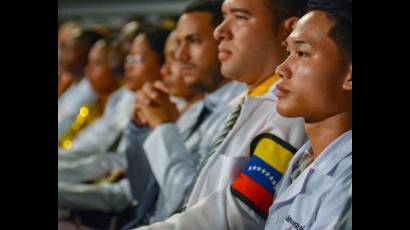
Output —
<point x="317" y="85"/>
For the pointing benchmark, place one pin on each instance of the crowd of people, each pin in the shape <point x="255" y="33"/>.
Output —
<point x="239" y="117"/>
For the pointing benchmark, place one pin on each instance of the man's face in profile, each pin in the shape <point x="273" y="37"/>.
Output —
<point x="313" y="74"/>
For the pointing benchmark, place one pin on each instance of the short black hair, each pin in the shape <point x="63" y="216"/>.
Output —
<point x="340" y="12"/>
<point x="283" y="9"/>
<point x="89" y="37"/>
<point x="208" y="6"/>
<point x="156" y="37"/>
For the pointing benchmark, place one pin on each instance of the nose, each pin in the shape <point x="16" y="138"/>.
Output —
<point x="182" y="53"/>
<point x="222" y="32"/>
<point x="283" y="70"/>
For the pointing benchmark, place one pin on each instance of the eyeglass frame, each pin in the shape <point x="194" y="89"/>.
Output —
<point x="134" y="59"/>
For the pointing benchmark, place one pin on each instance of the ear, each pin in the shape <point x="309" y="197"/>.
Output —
<point x="289" y="24"/>
<point x="347" y="83"/>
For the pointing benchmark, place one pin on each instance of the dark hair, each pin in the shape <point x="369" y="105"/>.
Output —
<point x="207" y="6"/>
<point x="115" y="49"/>
<point x="156" y="38"/>
<point x="340" y="12"/>
<point x="89" y="37"/>
<point x="283" y="9"/>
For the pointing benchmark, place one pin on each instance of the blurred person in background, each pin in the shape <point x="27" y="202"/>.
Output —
<point x="110" y="126"/>
<point x="65" y="31"/>
<point x="74" y="53"/>
<point x="96" y="182"/>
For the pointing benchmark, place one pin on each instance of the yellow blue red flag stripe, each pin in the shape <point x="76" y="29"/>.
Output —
<point x="256" y="185"/>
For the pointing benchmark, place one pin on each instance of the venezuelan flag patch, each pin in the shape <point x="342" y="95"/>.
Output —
<point x="256" y="184"/>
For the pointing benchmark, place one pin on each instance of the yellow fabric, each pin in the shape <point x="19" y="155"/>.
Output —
<point x="264" y="87"/>
<point x="273" y="154"/>
<point x="86" y="115"/>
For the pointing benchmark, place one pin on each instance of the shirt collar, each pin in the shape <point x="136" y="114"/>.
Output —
<point x="263" y="87"/>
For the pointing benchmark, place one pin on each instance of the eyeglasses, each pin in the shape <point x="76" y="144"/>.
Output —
<point x="134" y="59"/>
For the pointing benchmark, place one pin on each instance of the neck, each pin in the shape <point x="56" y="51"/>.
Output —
<point x="103" y="96"/>
<point x="258" y="82"/>
<point x="324" y="132"/>
<point x="76" y="75"/>
<point x="219" y="84"/>
<point x="102" y="100"/>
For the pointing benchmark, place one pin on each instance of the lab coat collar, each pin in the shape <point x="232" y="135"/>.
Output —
<point x="325" y="163"/>
<point x="220" y="96"/>
<point x="334" y="153"/>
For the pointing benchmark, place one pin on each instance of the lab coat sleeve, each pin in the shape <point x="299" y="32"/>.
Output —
<point x="107" y="197"/>
<point x="172" y="164"/>
<point x="136" y="135"/>
<point x="138" y="170"/>
<point x="97" y="138"/>
<point x="91" y="167"/>
<point x="219" y="211"/>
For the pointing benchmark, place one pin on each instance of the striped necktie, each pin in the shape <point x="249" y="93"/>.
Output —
<point x="233" y="117"/>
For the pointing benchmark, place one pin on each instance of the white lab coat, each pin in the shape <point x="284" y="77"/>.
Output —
<point x="91" y="167"/>
<point x="106" y="197"/>
<point x="316" y="199"/>
<point x="174" y="157"/>
<point x="211" y="205"/>
<point x="71" y="101"/>
<point x="102" y="133"/>
<point x="74" y="194"/>
<point x="115" y="197"/>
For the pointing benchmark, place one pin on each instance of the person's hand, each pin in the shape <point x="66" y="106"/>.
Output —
<point x="154" y="103"/>
<point x="138" y="117"/>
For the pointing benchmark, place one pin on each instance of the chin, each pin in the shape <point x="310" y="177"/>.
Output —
<point x="286" y="112"/>
<point x="228" y="73"/>
<point x="132" y="87"/>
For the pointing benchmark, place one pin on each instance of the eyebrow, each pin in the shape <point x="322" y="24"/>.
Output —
<point x="298" y="42"/>
<point x="301" y="42"/>
<point x="239" y="10"/>
<point x="194" y="35"/>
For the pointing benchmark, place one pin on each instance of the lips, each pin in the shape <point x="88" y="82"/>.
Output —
<point x="128" y="79"/>
<point x="186" y="70"/>
<point x="223" y="54"/>
<point x="281" y="91"/>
